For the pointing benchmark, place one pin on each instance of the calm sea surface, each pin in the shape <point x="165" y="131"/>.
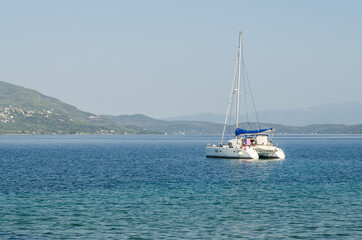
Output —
<point x="163" y="187"/>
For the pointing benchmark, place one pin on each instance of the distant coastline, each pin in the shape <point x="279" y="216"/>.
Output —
<point x="27" y="112"/>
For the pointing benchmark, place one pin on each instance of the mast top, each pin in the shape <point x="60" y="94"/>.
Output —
<point x="239" y="59"/>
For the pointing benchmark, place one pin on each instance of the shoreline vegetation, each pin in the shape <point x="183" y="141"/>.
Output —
<point x="27" y="112"/>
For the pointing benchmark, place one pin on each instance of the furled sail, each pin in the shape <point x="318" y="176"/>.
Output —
<point x="240" y="131"/>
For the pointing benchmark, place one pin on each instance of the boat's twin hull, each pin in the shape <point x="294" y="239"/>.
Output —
<point x="237" y="153"/>
<point x="269" y="152"/>
<point x="245" y="153"/>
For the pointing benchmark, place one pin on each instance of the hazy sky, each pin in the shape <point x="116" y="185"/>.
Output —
<point x="170" y="58"/>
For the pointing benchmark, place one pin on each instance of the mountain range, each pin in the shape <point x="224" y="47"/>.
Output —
<point x="342" y="113"/>
<point x="26" y="111"/>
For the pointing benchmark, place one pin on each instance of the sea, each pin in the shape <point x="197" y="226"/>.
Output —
<point x="163" y="187"/>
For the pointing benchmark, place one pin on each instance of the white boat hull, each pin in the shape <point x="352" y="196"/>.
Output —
<point x="269" y="152"/>
<point x="236" y="153"/>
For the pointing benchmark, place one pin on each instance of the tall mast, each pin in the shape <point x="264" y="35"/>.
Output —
<point x="232" y="91"/>
<point x="238" y="84"/>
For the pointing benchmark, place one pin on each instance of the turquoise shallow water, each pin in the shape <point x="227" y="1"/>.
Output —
<point x="163" y="187"/>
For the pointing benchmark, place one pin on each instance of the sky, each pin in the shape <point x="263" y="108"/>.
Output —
<point x="172" y="58"/>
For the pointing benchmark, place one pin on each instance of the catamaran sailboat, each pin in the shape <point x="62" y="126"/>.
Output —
<point x="247" y="144"/>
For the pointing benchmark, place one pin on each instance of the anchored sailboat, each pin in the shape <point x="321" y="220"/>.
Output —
<point x="248" y="144"/>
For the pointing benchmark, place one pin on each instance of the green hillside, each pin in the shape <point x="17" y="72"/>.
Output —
<point x="25" y="111"/>
<point x="170" y="127"/>
<point x="12" y="95"/>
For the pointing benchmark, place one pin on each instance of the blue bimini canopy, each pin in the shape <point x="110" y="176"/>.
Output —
<point x="240" y="131"/>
